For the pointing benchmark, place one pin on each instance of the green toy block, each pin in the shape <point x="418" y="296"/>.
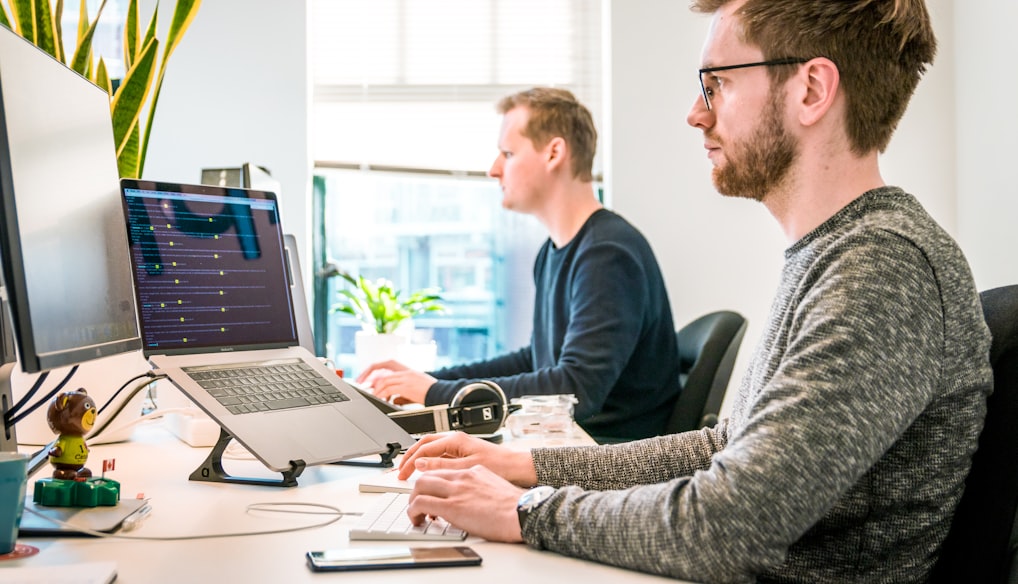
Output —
<point x="91" y="492"/>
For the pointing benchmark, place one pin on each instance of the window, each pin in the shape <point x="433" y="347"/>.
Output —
<point x="403" y="132"/>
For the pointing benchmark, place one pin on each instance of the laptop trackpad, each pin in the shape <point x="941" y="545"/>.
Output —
<point x="328" y="435"/>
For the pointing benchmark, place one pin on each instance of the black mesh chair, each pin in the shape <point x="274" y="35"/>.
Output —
<point x="981" y="545"/>
<point x="707" y="350"/>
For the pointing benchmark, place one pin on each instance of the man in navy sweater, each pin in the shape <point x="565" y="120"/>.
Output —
<point x="602" y="327"/>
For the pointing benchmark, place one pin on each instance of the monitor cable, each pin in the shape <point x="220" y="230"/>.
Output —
<point x="14" y="418"/>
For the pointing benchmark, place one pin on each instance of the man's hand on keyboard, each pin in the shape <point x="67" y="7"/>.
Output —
<point x="394" y="380"/>
<point x="457" y="451"/>
<point x="474" y="499"/>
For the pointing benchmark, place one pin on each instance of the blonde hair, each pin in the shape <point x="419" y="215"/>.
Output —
<point x="557" y="113"/>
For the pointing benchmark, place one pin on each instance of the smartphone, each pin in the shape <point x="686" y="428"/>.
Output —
<point x="388" y="557"/>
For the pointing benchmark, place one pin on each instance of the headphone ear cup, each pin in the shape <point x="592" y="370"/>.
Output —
<point x="483" y="392"/>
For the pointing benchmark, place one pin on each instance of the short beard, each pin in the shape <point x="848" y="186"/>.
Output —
<point x="760" y="163"/>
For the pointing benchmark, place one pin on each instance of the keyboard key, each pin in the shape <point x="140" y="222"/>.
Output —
<point x="387" y="519"/>
<point x="257" y="387"/>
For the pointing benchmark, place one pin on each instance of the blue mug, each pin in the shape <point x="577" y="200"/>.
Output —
<point x="13" y="482"/>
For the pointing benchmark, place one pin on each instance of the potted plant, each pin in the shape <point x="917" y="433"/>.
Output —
<point x="38" y="22"/>
<point x="385" y="315"/>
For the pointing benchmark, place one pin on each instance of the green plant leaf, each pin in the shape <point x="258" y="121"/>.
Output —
<point x="378" y="304"/>
<point x="4" y="19"/>
<point x="130" y="98"/>
<point x="127" y="161"/>
<point x="24" y="18"/>
<point x="183" y="16"/>
<point x="45" y="34"/>
<point x="102" y="76"/>
<point x="82" y="59"/>
<point x="58" y="30"/>
<point x="131" y="45"/>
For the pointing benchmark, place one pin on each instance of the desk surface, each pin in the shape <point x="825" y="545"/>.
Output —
<point x="154" y="464"/>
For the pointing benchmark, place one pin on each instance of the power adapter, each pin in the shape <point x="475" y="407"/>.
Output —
<point x="193" y="427"/>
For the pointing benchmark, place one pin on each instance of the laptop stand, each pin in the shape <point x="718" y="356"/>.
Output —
<point x="385" y="462"/>
<point x="212" y="471"/>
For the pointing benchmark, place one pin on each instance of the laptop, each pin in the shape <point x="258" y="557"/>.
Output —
<point x="214" y="298"/>
<point x="305" y="334"/>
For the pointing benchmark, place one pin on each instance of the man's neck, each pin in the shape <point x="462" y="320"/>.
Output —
<point x="565" y="213"/>
<point x="811" y="197"/>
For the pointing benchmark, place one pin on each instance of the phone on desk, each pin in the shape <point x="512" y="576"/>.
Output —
<point x="387" y="557"/>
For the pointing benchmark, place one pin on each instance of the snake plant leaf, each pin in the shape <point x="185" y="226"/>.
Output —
<point x="45" y="33"/>
<point x="4" y="19"/>
<point x="127" y="161"/>
<point x="130" y="98"/>
<point x="102" y="77"/>
<point x="183" y="16"/>
<point x="82" y="59"/>
<point x="58" y="30"/>
<point x="24" y="18"/>
<point x="131" y="45"/>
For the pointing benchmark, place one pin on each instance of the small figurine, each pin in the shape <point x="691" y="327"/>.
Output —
<point x="71" y="415"/>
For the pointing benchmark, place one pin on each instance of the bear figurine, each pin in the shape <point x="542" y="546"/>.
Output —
<point x="71" y="415"/>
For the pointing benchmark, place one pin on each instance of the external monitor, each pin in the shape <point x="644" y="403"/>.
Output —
<point x="246" y="176"/>
<point x="63" y="245"/>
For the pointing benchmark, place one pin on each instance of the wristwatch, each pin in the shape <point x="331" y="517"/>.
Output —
<point x="531" y="500"/>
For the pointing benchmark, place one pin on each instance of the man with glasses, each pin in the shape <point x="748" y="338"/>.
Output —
<point x="849" y="441"/>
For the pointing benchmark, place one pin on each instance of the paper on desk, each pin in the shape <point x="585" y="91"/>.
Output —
<point x="388" y="482"/>
<point x="83" y="573"/>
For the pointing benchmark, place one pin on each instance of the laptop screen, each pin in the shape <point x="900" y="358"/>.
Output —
<point x="208" y="267"/>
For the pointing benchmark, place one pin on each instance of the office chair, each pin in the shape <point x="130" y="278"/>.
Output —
<point x="981" y="545"/>
<point x="707" y="350"/>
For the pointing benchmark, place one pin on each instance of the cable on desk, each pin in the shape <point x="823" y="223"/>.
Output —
<point x="334" y="512"/>
<point x="123" y="404"/>
<point x="152" y="379"/>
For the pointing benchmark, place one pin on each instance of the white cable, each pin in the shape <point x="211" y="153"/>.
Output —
<point x="335" y="513"/>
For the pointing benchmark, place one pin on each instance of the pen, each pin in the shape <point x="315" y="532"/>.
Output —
<point x="133" y="520"/>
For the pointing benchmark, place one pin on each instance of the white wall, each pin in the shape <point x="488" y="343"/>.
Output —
<point x="985" y="87"/>
<point x="237" y="91"/>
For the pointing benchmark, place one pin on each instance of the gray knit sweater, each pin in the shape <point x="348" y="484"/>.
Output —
<point x="849" y="440"/>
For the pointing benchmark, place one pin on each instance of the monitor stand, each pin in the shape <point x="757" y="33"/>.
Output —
<point x="8" y="437"/>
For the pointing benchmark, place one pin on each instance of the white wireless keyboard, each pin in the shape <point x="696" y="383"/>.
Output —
<point x="387" y="519"/>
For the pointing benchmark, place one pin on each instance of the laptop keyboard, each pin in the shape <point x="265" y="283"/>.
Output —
<point x="245" y="388"/>
<point x="387" y="519"/>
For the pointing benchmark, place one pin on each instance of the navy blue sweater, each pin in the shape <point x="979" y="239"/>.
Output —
<point x="602" y="330"/>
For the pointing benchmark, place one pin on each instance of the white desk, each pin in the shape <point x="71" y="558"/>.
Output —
<point x="155" y="463"/>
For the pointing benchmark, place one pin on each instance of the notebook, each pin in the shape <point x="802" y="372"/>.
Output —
<point x="214" y="295"/>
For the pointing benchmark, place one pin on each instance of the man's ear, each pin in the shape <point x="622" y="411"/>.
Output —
<point x="819" y="91"/>
<point x="556" y="152"/>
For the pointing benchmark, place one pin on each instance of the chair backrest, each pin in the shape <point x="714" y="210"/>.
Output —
<point x="980" y="547"/>
<point x="707" y="350"/>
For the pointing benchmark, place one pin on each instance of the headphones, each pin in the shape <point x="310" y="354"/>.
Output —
<point x="479" y="407"/>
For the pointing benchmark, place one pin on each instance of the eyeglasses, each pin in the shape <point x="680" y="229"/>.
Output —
<point x="708" y="91"/>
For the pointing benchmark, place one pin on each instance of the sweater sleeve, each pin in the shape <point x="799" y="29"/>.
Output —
<point x="859" y="364"/>
<point x="605" y="315"/>
<point x="641" y="462"/>
<point x="451" y="379"/>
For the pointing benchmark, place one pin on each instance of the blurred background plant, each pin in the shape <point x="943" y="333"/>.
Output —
<point x="377" y="304"/>
<point x="39" y="22"/>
